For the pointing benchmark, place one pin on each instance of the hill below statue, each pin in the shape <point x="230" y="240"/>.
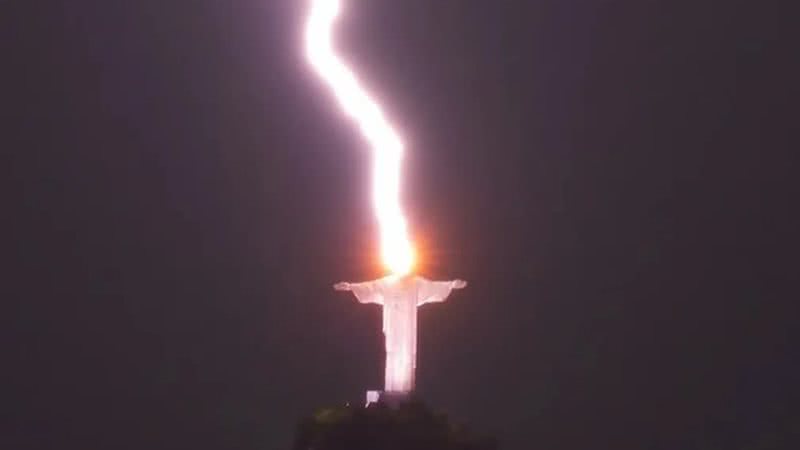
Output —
<point x="410" y="426"/>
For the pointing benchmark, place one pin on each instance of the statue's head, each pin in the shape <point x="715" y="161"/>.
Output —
<point x="401" y="279"/>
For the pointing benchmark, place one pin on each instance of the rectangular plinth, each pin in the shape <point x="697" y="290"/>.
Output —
<point x="391" y="399"/>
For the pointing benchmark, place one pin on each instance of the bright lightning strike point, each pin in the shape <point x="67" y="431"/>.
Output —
<point x="397" y="252"/>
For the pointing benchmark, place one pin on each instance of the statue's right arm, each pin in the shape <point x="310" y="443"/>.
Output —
<point x="367" y="292"/>
<point x="342" y="286"/>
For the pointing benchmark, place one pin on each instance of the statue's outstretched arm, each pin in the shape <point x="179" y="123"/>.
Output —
<point x="343" y="286"/>
<point x="367" y="292"/>
<point x="437" y="291"/>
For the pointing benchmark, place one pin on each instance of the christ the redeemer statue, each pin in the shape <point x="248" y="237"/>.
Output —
<point x="400" y="296"/>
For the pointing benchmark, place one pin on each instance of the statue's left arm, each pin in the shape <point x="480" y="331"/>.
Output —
<point x="437" y="291"/>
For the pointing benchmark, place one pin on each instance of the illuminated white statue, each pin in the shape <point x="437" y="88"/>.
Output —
<point x="400" y="296"/>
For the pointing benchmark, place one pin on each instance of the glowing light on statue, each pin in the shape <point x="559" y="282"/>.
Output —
<point x="400" y="297"/>
<point x="397" y="252"/>
<point x="400" y="293"/>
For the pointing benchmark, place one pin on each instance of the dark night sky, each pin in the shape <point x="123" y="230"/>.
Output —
<point x="612" y="177"/>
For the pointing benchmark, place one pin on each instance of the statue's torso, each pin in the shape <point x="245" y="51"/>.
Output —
<point x="400" y="315"/>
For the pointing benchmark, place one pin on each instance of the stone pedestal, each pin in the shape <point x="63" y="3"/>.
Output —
<point x="391" y="399"/>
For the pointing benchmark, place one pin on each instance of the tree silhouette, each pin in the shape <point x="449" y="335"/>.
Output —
<point x="410" y="426"/>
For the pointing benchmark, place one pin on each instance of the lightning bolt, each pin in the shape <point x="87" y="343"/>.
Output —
<point x="397" y="252"/>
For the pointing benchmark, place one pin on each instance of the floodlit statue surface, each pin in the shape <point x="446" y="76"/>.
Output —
<point x="400" y="296"/>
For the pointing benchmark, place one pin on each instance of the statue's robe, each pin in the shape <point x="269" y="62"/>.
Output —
<point x="400" y="298"/>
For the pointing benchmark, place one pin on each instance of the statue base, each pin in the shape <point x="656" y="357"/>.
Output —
<point x="391" y="399"/>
